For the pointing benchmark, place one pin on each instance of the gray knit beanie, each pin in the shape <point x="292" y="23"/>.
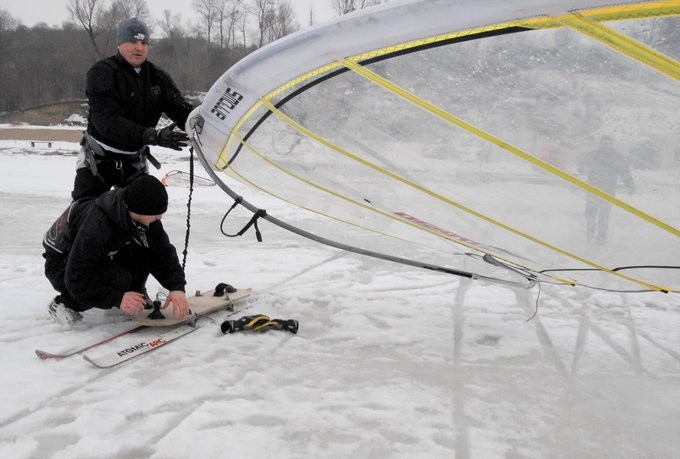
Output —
<point x="133" y="29"/>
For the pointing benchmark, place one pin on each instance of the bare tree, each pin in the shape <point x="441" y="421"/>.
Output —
<point x="171" y="26"/>
<point x="282" y="21"/>
<point x="124" y="9"/>
<point x="226" y="18"/>
<point x="232" y="21"/>
<point x="220" y="19"/>
<point x="347" y="6"/>
<point x="243" y="28"/>
<point x="207" y="10"/>
<point x="7" y="21"/>
<point x="275" y="19"/>
<point x="263" y="10"/>
<point x="87" y="13"/>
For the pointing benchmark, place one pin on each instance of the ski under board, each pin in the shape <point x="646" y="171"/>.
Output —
<point x="177" y="330"/>
<point x="139" y="348"/>
<point x="224" y="296"/>
<point x="44" y="355"/>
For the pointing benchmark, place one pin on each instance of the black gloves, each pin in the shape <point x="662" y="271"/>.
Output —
<point x="166" y="137"/>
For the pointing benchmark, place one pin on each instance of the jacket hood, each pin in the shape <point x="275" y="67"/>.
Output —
<point x="113" y="206"/>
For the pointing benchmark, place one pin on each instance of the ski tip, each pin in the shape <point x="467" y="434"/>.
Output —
<point x="43" y="355"/>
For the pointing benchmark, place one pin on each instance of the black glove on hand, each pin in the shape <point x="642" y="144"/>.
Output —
<point x="166" y="137"/>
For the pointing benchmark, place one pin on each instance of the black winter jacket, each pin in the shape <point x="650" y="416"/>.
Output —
<point x="124" y="103"/>
<point x="96" y="230"/>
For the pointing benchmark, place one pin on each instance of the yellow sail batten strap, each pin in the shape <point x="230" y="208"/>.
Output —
<point x="622" y="44"/>
<point x="371" y="208"/>
<point x="384" y="171"/>
<point x="401" y="92"/>
<point x="238" y="175"/>
<point x="610" y="13"/>
<point x="634" y="11"/>
<point x="429" y="192"/>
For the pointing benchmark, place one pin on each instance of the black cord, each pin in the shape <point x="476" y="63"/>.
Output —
<point x="191" y="192"/>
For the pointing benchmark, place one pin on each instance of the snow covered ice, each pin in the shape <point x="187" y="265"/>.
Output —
<point x="389" y="362"/>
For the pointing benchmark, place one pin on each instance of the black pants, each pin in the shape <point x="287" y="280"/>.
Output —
<point x="127" y="271"/>
<point x="110" y="173"/>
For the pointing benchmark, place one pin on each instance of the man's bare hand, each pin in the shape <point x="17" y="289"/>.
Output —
<point x="180" y="306"/>
<point x="132" y="303"/>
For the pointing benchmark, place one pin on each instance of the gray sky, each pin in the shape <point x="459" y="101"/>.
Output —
<point x="54" y="12"/>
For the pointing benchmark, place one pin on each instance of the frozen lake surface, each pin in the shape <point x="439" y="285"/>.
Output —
<point x="389" y="362"/>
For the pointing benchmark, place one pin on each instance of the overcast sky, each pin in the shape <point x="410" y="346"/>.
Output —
<point x="54" y="12"/>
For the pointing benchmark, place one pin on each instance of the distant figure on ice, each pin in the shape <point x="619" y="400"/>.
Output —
<point x="127" y="95"/>
<point x="603" y="168"/>
<point x="100" y="252"/>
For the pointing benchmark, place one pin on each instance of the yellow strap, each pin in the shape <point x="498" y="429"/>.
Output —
<point x="264" y="325"/>
<point x="344" y="152"/>
<point x="622" y="43"/>
<point x="623" y="12"/>
<point x="372" y="208"/>
<point x="640" y="10"/>
<point x="395" y="89"/>
<point x="615" y="12"/>
<point x="256" y="319"/>
<point x="658" y="61"/>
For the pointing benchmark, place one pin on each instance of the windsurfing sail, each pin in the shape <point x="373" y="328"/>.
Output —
<point x="520" y="141"/>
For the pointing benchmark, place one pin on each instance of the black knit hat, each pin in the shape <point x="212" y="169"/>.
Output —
<point x="146" y="196"/>
<point x="132" y="29"/>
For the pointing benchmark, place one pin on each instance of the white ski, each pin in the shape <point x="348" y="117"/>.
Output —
<point x="142" y="347"/>
<point x="44" y="355"/>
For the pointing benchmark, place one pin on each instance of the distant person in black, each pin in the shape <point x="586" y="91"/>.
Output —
<point x="127" y="95"/>
<point x="100" y="252"/>
<point x="603" y="168"/>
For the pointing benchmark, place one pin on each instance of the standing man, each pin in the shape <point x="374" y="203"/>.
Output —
<point x="100" y="252"/>
<point x="603" y="168"/>
<point x="127" y="95"/>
